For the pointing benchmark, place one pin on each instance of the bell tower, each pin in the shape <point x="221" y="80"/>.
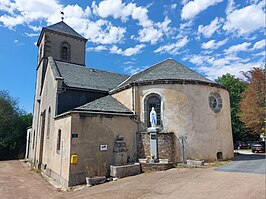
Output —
<point x="62" y="43"/>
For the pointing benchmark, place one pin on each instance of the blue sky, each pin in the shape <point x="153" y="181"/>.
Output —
<point x="212" y="37"/>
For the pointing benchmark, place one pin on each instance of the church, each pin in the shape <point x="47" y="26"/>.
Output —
<point x="79" y="112"/>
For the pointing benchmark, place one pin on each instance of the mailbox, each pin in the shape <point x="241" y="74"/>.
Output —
<point x="74" y="159"/>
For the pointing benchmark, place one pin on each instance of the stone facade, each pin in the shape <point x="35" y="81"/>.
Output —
<point x="166" y="145"/>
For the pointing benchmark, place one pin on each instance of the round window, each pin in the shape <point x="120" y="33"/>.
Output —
<point x="215" y="102"/>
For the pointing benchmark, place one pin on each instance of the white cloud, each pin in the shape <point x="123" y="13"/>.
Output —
<point x="174" y="47"/>
<point x="133" y="70"/>
<point x="117" y="9"/>
<point x="32" y="34"/>
<point x="210" y="29"/>
<point x="259" y="45"/>
<point x="193" y="8"/>
<point x="213" y="45"/>
<point x="26" y="11"/>
<point x="151" y="32"/>
<point x="97" y="48"/>
<point x="127" y="52"/>
<point x="245" y="20"/>
<point x="216" y="66"/>
<point x="100" y="31"/>
<point x="164" y="25"/>
<point x="230" y="7"/>
<point x="237" y="48"/>
<point x="173" y="6"/>
<point x="150" y="35"/>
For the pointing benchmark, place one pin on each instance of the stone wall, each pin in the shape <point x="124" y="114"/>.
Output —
<point x="166" y="145"/>
<point x="155" y="166"/>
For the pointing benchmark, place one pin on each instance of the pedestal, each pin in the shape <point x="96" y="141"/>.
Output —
<point x="153" y="145"/>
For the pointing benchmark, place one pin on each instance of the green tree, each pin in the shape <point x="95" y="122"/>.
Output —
<point x="13" y="124"/>
<point x="253" y="107"/>
<point x="235" y="86"/>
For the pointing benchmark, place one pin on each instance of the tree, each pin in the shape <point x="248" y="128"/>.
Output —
<point x="253" y="106"/>
<point x="13" y="124"/>
<point x="235" y="86"/>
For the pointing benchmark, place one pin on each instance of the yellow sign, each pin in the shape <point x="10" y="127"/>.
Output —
<point x="74" y="159"/>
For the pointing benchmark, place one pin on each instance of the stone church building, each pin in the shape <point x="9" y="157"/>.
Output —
<point x="80" y="111"/>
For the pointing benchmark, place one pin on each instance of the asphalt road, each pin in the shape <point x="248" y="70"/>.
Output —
<point x="246" y="162"/>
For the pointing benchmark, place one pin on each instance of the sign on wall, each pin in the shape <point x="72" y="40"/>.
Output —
<point x="103" y="147"/>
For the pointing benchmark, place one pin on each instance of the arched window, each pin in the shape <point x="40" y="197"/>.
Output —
<point x="153" y="100"/>
<point x="65" y="51"/>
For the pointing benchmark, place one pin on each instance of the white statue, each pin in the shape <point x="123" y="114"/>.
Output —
<point x="153" y="118"/>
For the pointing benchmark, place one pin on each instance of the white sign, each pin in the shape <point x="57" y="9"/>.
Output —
<point x="103" y="147"/>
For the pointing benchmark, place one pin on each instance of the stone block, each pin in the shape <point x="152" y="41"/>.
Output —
<point x="195" y="162"/>
<point x="95" y="180"/>
<point x="124" y="170"/>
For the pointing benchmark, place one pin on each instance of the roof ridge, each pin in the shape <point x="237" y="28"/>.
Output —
<point x="104" y="100"/>
<point x="90" y="68"/>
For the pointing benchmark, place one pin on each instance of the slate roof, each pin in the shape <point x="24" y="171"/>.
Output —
<point x="61" y="27"/>
<point x="168" y="69"/>
<point x="77" y="76"/>
<point x="105" y="104"/>
<point x="64" y="28"/>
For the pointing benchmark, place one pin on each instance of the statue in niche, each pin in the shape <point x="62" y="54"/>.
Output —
<point x="153" y="118"/>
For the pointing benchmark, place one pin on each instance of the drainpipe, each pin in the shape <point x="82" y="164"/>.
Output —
<point x="133" y="97"/>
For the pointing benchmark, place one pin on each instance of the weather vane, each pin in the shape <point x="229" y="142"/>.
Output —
<point x="62" y="17"/>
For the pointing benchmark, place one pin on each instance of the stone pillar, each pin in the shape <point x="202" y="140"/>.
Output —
<point x="153" y="144"/>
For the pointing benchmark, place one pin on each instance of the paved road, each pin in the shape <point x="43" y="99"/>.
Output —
<point x="246" y="163"/>
<point x="17" y="181"/>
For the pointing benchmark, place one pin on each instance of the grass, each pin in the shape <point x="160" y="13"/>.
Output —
<point x="218" y="163"/>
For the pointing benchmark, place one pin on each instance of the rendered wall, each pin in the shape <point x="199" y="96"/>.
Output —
<point x="94" y="130"/>
<point x="185" y="111"/>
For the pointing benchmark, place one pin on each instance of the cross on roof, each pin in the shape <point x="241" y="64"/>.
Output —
<point x="62" y="17"/>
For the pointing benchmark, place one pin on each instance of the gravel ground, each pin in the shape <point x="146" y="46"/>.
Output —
<point x="17" y="180"/>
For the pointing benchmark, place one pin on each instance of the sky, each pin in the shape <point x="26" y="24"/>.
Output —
<point x="212" y="37"/>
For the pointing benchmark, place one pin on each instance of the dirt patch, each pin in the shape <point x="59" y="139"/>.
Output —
<point x="18" y="181"/>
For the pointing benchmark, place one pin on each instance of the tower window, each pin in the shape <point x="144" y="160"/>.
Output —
<point x="65" y="52"/>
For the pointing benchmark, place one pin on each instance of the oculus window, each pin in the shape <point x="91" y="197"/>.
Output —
<point x="215" y="102"/>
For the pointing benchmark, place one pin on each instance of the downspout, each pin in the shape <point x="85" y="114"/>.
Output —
<point x="133" y="96"/>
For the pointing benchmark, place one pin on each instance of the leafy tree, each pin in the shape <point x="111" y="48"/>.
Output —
<point x="235" y="86"/>
<point x="13" y="124"/>
<point x="253" y="106"/>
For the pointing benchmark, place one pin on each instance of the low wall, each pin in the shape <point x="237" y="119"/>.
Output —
<point x="166" y="145"/>
<point x="155" y="166"/>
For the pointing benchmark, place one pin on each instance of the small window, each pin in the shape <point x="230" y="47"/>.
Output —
<point x="48" y="123"/>
<point x="215" y="102"/>
<point x="33" y="140"/>
<point x="58" y="145"/>
<point x="65" y="52"/>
